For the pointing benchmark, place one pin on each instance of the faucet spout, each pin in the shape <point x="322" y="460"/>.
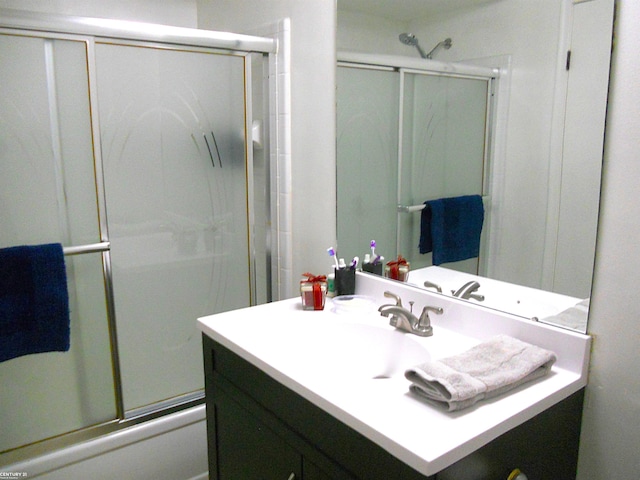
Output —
<point x="467" y="291"/>
<point x="404" y="320"/>
<point x="401" y="318"/>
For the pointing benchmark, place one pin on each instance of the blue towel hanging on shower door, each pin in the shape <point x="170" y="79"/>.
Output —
<point x="451" y="228"/>
<point x="34" y="301"/>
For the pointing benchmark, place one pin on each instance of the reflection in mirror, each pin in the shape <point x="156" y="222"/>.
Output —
<point x="540" y="165"/>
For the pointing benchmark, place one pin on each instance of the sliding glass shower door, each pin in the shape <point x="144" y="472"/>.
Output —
<point x="173" y="144"/>
<point x="134" y="156"/>
<point x="48" y="195"/>
<point x="444" y="131"/>
<point x="367" y="160"/>
<point x="405" y="137"/>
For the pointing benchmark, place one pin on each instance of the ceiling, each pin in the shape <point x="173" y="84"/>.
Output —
<point x="405" y="10"/>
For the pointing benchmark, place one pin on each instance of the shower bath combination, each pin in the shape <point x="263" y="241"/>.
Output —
<point x="411" y="40"/>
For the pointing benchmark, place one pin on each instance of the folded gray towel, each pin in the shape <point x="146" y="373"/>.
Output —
<point x="574" y="317"/>
<point x="484" y="371"/>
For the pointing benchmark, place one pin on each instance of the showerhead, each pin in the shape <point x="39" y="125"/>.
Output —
<point x="411" y="40"/>
<point x="408" y="39"/>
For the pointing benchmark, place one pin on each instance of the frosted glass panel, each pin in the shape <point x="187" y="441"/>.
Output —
<point x="49" y="394"/>
<point x="47" y="194"/>
<point x="444" y="125"/>
<point x="443" y="146"/>
<point x="47" y="184"/>
<point x="173" y="146"/>
<point x="367" y="165"/>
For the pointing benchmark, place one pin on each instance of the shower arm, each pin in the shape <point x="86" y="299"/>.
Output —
<point x="423" y="54"/>
<point x="446" y="44"/>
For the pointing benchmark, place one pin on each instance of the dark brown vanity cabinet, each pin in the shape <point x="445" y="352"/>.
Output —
<point x="258" y="429"/>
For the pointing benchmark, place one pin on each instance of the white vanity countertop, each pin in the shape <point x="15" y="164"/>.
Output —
<point x="423" y="436"/>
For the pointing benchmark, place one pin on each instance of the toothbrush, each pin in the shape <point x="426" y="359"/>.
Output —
<point x="373" y="248"/>
<point x="332" y="253"/>
<point x="354" y="263"/>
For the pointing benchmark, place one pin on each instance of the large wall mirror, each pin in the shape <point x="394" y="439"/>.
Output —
<point x="538" y="135"/>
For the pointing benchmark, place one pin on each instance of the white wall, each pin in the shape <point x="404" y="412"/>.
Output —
<point x="312" y="115"/>
<point x="611" y="422"/>
<point x="371" y="34"/>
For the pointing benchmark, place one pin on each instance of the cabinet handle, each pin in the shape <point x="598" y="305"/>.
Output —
<point x="292" y="477"/>
<point x="517" y="475"/>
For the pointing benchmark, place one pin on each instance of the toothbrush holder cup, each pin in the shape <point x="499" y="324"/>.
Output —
<point x="345" y="282"/>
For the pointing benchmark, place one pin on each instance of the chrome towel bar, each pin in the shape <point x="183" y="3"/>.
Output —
<point x="417" y="208"/>
<point x="88" y="248"/>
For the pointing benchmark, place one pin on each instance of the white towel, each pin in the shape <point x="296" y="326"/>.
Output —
<point x="484" y="371"/>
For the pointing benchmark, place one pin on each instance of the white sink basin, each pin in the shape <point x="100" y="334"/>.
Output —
<point x="337" y="349"/>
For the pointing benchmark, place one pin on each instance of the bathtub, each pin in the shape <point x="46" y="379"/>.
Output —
<point x="172" y="447"/>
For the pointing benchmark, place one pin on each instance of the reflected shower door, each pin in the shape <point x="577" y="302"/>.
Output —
<point x="444" y="126"/>
<point x="367" y="164"/>
<point x="48" y="195"/>
<point x="173" y="144"/>
<point x="442" y="122"/>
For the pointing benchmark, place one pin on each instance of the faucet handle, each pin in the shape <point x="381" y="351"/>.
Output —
<point x="395" y="297"/>
<point x="427" y="309"/>
<point x="424" y="323"/>
<point x="429" y="284"/>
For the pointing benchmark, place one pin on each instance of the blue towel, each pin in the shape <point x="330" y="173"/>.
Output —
<point x="34" y="302"/>
<point x="451" y="228"/>
<point x="426" y="241"/>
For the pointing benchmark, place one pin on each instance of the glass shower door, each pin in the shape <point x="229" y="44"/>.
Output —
<point x="48" y="195"/>
<point x="405" y="137"/>
<point x="444" y="127"/>
<point x="174" y="152"/>
<point x="367" y="162"/>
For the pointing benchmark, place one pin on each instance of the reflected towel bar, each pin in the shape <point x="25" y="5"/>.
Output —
<point x="89" y="248"/>
<point x="410" y="208"/>
<point x="417" y="208"/>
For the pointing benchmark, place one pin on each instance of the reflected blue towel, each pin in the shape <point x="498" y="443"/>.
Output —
<point x="451" y="228"/>
<point x="426" y="241"/>
<point x="34" y="302"/>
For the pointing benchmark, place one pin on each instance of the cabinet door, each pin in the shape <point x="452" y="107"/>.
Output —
<point x="248" y="450"/>
<point x="312" y="472"/>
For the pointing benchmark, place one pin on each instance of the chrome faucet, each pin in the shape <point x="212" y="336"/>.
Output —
<point x="429" y="284"/>
<point x="405" y="320"/>
<point x="467" y="291"/>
